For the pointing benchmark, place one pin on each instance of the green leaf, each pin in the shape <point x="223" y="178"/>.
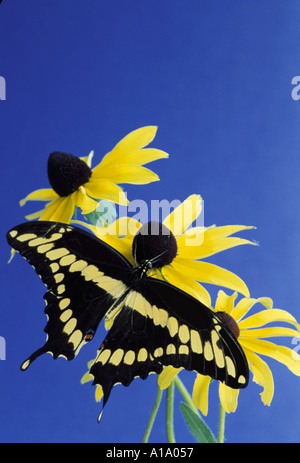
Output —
<point x="104" y="214"/>
<point x="196" y="425"/>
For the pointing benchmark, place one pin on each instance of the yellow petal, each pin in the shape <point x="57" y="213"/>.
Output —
<point x="184" y="215"/>
<point x="105" y="189"/>
<point x="117" y="231"/>
<point x="226" y="230"/>
<point x="88" y="159"/>
<point x="46" y="194"/>
<point x="166" y="376"/>
<point x="228" y="398"/>
<point x="126" y="173"/>
<point x="35" y="215"/>
<point x="245" y="304"/>
<point x="189" y="242"/>
<point x="134" y="141"/>
<point x="268" y="316"/>
<point x="126" y="227"/>
<point x="186" y="284"/>
<point x="275" y="331"/>
<point x="144" y="156"/>
<point x="225" y="303"/>
<point x="207" y="245"/>
<point x="83" y="201"/>
<point x="282" y="354"/>
<point x="266" y="301"/>
<point x="200" y="393"/>
<point x="210" y="273"/>
<point x="261" y="375"/>
<point x="59" y="210"/>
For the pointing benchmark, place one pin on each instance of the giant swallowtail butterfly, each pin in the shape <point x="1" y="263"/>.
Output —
<point x="157" y="324"/>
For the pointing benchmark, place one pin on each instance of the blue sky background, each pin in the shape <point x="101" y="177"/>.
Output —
<point x="215" y="77"/>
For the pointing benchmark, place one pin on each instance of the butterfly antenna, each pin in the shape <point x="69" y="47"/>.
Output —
<point x="158" y="256"/>
<point x="134" y="254"/>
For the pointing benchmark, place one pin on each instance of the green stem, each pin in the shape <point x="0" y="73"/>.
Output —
<point x="170" y="413"/>
<point x="184" y="392"/>
<point x="221" y="425"/>
<point x="153" y="415"/>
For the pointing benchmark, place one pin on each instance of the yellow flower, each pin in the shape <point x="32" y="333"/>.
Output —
<point x="182" y="265"/>
<point x="74" y="183"/>
<point x="182" y="268"/>
<point x="250" y="332"/>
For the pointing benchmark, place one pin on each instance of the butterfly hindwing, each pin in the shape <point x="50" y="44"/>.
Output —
<point x="84" y="278"/>
<point x="161" y="325"/>
<point x="193" y="337"/>
<point x="125" y="353"/>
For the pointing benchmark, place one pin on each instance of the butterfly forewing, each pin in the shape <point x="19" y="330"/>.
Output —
<point x="84" y="278"/>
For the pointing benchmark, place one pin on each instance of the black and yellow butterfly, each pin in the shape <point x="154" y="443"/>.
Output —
<point x="156" y="323"/>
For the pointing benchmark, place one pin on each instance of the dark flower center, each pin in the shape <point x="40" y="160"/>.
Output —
<point x="66" y="173"/>
<point x="154" y="242"/>
<point x="230" y="322"/>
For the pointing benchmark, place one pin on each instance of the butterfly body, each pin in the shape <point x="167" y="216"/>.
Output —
<point x="153" y="324"/>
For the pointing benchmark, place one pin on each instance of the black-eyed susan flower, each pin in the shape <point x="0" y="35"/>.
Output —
<point x="176" y="250"/>
<point x="75" y="183"/>
<point x="165" y="244"/>
<point x="251" y="333"/>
